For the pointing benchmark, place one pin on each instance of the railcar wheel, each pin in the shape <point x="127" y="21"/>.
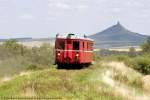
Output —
<point x="59" y="66"/>
<point x="87" y="65"/>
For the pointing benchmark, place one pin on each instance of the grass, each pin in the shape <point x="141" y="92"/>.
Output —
<point x="42" y="79"/>
<point x="67" y="84"/>
<point x="16" y="58"/>
<point x="84" y="84"/>
<point x="140" y="63"/>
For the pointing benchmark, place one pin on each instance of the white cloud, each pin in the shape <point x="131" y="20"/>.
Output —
<point x="66" y="7"/>
<point x="82" y="6"/>
<point x="116" y="10"/>
<point x="134" y="3"/>
<point x="27" y="17"/>
<point x="59" y="5"/>
<point x="69" y="4"/>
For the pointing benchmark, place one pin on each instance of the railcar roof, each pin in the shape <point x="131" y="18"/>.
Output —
<point x="75" y="38"/>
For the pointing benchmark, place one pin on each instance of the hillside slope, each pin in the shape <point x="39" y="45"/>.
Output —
<point x="116" y="36"/>
<point x="102" y="81"/>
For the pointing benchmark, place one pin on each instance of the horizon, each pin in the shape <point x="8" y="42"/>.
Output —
<point x="46" y="18"/>
<point x="74" y="33"/>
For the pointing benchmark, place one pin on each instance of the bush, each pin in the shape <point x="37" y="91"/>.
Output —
<point x="146" y="46"/>
<point x="122" y="58"/>
<point x="96" y="56"/>
<point x="11" y="48"/>
<point x="32" y="67"/>
<point x="143" y="64"/>
<point x="43" y="55"/>
<point x="15" y="57"/>
<point x="140" y="63"/>
<point x="132" y="52"/>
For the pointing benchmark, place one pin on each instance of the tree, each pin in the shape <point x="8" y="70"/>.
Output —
<point x="146" y="46"/>
<point x="132" y="52"/>
<point x="13" y="47"/>
<point x="11" y="44"/>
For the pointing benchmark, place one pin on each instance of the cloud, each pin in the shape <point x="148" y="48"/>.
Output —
<point x="132" y="4"/>
<point x="59" y="5"/>
<point x="69" y="4"/>
<point x="27" y="17"/>
<point x="67" y="7"/>
<point x="82" y="6"/>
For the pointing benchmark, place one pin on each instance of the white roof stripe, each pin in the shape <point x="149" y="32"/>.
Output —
<point x="62" y="37"/>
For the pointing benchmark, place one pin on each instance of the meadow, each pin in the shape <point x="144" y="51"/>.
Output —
<point x="30" y="73"/>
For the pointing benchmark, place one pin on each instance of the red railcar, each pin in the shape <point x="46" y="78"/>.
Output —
<point x="72" y="50"/>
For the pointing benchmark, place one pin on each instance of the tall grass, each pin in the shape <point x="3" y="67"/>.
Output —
<point x="65" y="84"/>
<point x="16" y="57"/>
<point x="84" y="84"/>
<point x="140" y="63"/>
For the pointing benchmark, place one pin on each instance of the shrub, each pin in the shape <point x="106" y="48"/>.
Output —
<point x="143" y="64"/>
<point x="122" y="58"/>
<point x="132" y="52"/>
<point x="96" y="56"/>
<point x="32" y="67"/>
<point x="146" y="46"/>
<point x="15" y="57"/>
<point x="43" y="55"/>
<point x="140" y="63"/>
<point x="11" y="48"/>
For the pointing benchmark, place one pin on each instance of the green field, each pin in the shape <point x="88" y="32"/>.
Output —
<point x="106" y="81"/>
<point x="30" y="73"/>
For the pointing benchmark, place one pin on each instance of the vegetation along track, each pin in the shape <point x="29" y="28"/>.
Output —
<point x="119" y="87"/>
<point x="101" y="81"/>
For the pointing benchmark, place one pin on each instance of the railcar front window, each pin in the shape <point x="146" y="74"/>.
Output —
<point x="83" y="45"/>
<point x="61" y="45"/>
<point x="75" y="45"/>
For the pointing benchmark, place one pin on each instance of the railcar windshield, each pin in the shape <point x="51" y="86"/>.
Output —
<point x="60" y="44"/>
<point x="76" y="45"/>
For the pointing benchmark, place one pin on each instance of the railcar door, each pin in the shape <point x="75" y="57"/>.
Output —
<point x="76" y="52"/>
<point x="68" y="51"/>
<point x="59" y="47"/>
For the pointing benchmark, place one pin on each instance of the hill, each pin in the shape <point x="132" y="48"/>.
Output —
<point x="28" y="39"/>
<point x="31" y="42"/>
<point x="102" y="81"/>
<point x="117" y="36"/>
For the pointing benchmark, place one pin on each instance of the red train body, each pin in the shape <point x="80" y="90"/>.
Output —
<point x="73" y="50"/>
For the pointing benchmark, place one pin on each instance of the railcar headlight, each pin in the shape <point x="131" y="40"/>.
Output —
<point x="77" y="55"/>
<point x="58" y="54"/>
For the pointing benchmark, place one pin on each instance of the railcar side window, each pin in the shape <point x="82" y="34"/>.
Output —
<point x="83" y="45"/>
<point x="69" y="42"/>
<point x="61" y="45"/>
<point x="75" y="45"/>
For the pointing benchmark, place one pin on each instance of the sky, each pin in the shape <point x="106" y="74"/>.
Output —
<point x="45" y="18"/>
